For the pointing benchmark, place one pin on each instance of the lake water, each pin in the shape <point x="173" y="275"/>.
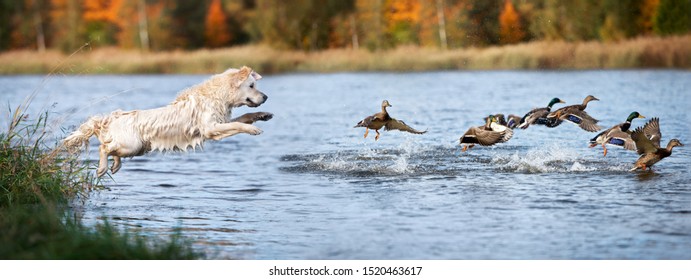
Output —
<point x="310" y="186"/>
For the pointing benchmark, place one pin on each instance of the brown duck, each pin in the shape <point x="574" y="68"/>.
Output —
<point x="487" y="135"/>
<point x="647" y="140"/>
<point x="575" y="114"/>
<point x="383" y="120"/>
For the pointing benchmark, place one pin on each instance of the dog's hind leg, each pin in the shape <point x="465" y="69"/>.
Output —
<point x="102" y="161"/>
<point x="116" y="165"/>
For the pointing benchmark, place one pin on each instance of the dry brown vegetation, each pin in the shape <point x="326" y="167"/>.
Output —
<point x="643" y="52"/>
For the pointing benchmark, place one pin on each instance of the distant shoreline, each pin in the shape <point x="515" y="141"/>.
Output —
<point x="672" y="52"/>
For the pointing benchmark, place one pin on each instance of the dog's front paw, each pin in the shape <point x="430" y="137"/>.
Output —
<point x="253" y="130"/>
<point x="264" y="116"/>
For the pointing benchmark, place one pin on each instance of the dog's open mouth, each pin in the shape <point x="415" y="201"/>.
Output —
<point x="251" y="103"/>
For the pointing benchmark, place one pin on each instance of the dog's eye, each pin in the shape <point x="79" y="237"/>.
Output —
<point x="252" y="85"/>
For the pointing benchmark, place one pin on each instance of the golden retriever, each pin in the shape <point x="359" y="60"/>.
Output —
<point x="199" y="113"/>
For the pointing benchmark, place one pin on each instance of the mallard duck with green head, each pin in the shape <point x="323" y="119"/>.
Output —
<point x="511" y="121"/>
<point x="575" y="114"/>
<point x="618" y="135"/>
<point x="499" y="119"/>
<point x="647" y="140"/>
<point x="383" y="120"/>
<point x="487" y="135"/>
<point x="537" y="114"/>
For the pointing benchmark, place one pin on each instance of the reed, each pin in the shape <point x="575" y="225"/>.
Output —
<point x="643" y="52"/>
<point x="31" y="172"/>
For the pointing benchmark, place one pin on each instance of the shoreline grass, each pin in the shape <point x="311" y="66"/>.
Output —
<point x="672" y="52"/>
<point x="37" y="185"/>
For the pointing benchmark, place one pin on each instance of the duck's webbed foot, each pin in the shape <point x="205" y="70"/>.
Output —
<point x="366" y="132"/>
<point x="376" y="137"/>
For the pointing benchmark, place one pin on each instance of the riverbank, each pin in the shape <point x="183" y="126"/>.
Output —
<point x="645" y="52"/>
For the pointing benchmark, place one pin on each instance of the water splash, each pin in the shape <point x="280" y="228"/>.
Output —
<point x="548" y="159"/>
<point x="400" y="160"/>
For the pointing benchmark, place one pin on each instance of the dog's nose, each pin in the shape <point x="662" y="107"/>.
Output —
<point x="264" y="97"/>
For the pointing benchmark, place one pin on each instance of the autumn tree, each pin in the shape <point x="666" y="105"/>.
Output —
<point x="621" y="19"/>
<point x="370" y="22"/>
<point x="648" y="11"/>
<point x="100" y="18"/>
<point x="66" y="20"/>
<point x="187" y="24"/>
<point x="299" y="24"/>
<point x="510" y="31"/>
<point x="483" y="28"/>
<point x="216" y="26"/>
<point x="456" y="13"/>
<point x="402" y="19"/>
<point x="672" y="17"/>
<point x="159" y="25"/>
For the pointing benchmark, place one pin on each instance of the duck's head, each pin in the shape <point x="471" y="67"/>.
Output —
<point x="385" y="103"/>
<point x="673" y="143"/>
<point x="634" y="115"/>
<point x="554" y="101"/>
<point x="491" y="119"/>
<point x="590" y="98"/>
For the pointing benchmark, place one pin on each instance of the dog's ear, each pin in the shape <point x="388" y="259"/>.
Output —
<point x="242" y="75"/>
<point x="256" y="76"/>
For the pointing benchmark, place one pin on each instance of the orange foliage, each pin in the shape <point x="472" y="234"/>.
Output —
<point x="429" y="24"/>
<point x="401" y="11"/>
<point x="216" y="26"/>
<point x="402" y="17"/>
<point x="102" y="10"/>
<point x="648" y="10"/>
<point x="510" y="30"/>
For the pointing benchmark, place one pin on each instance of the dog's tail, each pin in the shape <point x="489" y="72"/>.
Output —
<point x="80" y="138"/>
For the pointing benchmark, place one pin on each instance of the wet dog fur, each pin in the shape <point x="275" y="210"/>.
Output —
<point x="199" y="113"/>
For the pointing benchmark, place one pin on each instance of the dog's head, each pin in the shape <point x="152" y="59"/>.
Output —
<point x="245" y="83"/>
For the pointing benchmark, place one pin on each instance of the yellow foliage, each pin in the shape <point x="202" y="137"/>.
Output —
<point x="403" y="10"/>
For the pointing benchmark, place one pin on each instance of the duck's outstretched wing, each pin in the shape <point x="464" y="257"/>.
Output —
<point x="532" y="116"/>
<point x="602" y="136"/>
<point x="478" y="135"/>
<point x="582" y="119"/>
<point x="643" y="144"/>
<point x="366" y="121"/>
<point x="651" y="130"/>
<point x="512" y="121"/>
<point x="508" y="133"/>
<point x="622" y="139"/>
<point x="395" y="124"/>
<point x="562" y="111"/>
